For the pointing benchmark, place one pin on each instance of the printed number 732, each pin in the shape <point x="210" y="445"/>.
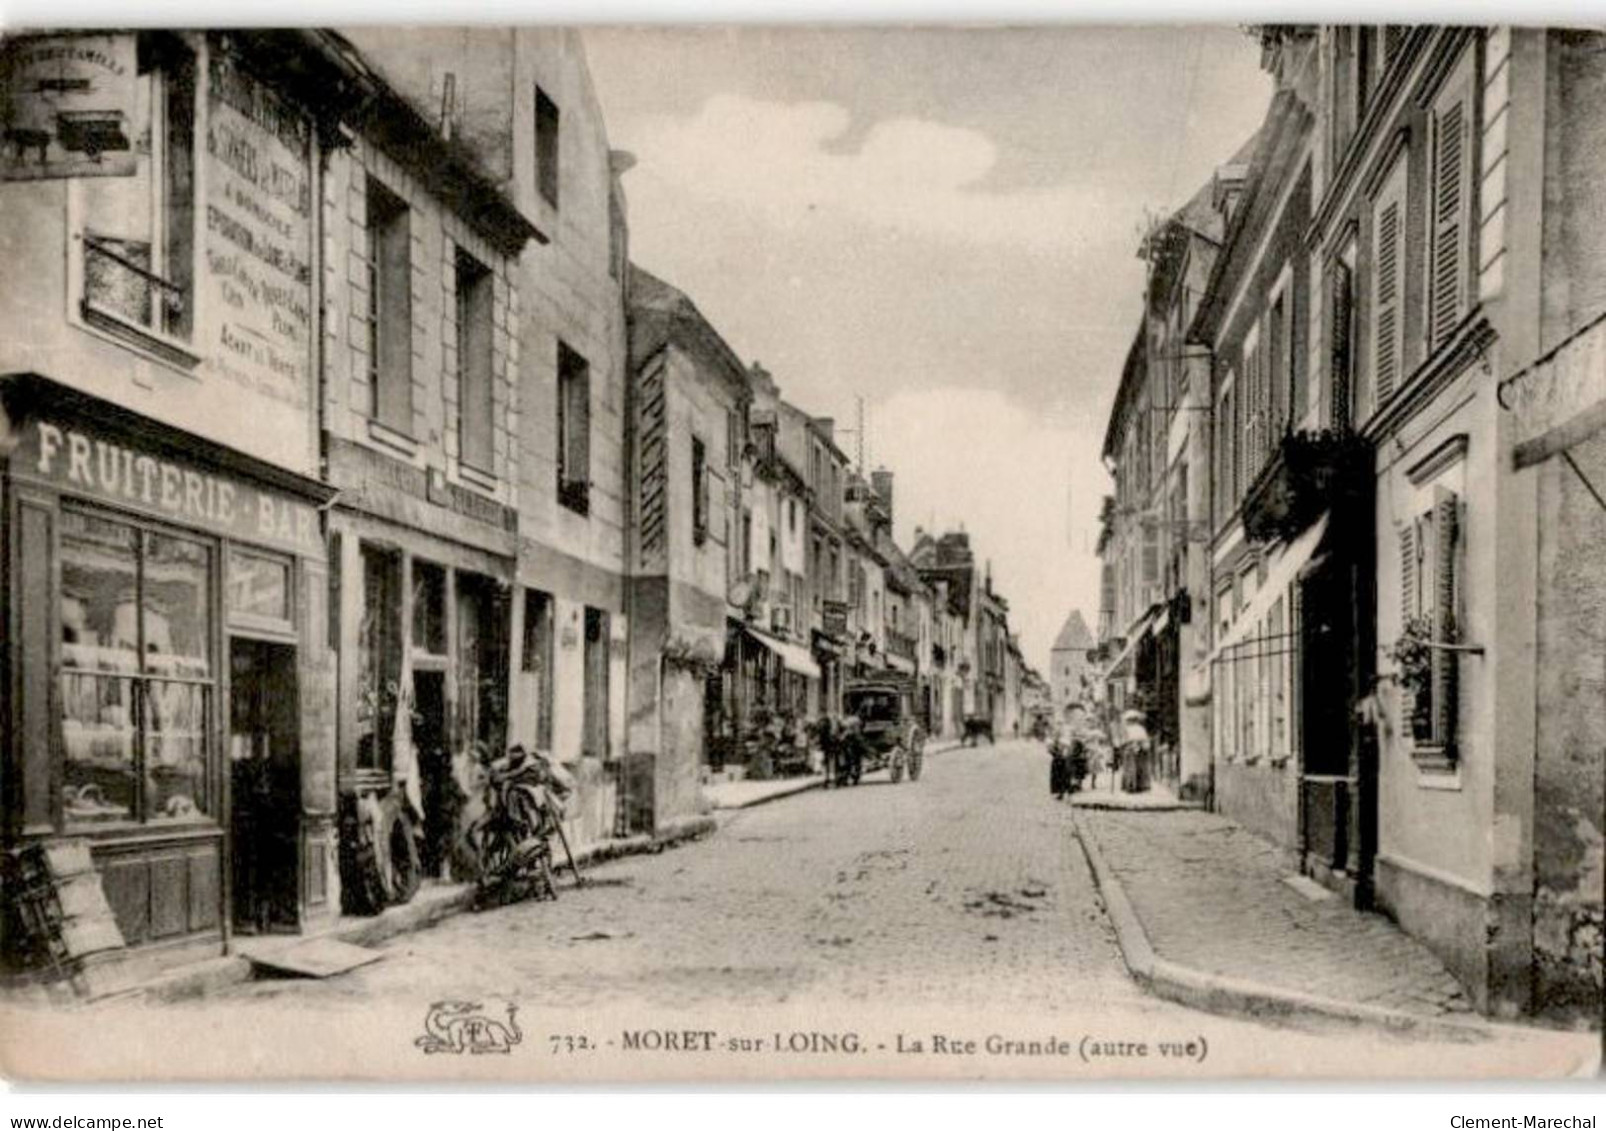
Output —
<point x="570" y="1042"/>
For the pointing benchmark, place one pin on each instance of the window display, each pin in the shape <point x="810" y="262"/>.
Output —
<point x="136" y="675"/>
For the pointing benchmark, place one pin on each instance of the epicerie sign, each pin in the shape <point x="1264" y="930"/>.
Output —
<point x="102" y="469"/>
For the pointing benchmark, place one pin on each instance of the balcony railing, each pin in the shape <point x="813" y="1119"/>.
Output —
<point x="901" y="645"/>
<point x="1310" y="472"/>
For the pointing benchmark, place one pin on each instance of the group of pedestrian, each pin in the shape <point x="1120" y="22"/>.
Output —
<point x="1075" y="757"/>
<point x="843" y="748"/>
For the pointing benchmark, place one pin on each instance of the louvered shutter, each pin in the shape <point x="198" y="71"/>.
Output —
<point x="1407" y="575"/>
<point x="1447" y="272"/>
<point x="1393" y="40"/>
<point x="1388" y="282"/>
<point x="1446" y="512"/>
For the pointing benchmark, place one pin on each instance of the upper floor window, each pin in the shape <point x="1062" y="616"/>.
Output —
<point x="476" y="395"/>
<point x="546" y="147"/>
<point x="139" y="230"/>
<point x="574" y="430"/>
<point x="1341" y="337"/>
<point x="1388" y="285"/>
<point x="699" y="487"/>
<point x="390" y="309"/>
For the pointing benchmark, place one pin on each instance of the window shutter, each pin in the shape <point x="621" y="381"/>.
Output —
<point x="1386" y="292"/>
<point x="1407" y="575"/>
<point x="1339" y="345"/>
<point x="1446" y="509"/>
<point x="1448" y="267"/>
<point x="1151" y="550"/>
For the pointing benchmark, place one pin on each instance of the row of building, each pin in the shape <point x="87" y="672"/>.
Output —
<point x="343" y="443"/>
<point x="1353" y="565"/>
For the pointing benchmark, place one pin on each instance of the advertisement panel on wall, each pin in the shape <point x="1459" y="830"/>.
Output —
<point x="67" y="107"/>
<point x="258" y="234"/>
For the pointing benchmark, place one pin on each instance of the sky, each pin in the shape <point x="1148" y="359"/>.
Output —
<point x="942" y="223"/>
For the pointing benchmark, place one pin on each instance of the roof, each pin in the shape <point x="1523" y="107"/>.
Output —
<point x="660" y="313"/>
<point x="1074" y="636"/>
<point x="337" y="82"/>
<point x="1279" y="144"/>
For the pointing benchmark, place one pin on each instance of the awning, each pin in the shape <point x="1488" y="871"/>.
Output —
<point x="794" y="657"/>
<point x="900" y="663"/>
<point x="1283" y="573"/>
<point x="1125" y="655"/>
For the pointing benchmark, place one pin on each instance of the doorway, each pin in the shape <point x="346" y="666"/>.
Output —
<point x="265" y="775"/>
<point x="437" y="786"/>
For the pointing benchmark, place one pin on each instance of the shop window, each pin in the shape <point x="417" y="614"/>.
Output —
<point x="475" y="388"/>
<point x="429" y="608"/>
<point x="258" y="590"/>
<point x="379" y="643"/>
<point x="139" y="231"/>
<point x="537" y="660"/>
<point x="138" y="678"/>
<point x="546" y="147"/>
<point x="481" y="662"/>
<point x="390" y="310"/>
<point x="699" y="490"/>
<point x="574" y="430"/>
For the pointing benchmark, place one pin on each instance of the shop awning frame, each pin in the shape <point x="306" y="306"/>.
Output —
<point x="794" y="657"/>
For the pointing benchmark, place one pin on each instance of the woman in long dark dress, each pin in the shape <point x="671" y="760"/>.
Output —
<point x="1059" y="766"/>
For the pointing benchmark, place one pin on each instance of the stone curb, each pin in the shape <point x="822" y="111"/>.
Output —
<point x="1117" y="807"/>
<point x="1220" y="994"/>
<point x="201" y="978"/>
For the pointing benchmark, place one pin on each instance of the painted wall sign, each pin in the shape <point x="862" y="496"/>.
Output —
<point x="67" y="107"/>
<point x="92" y="466"/>
<point x="258" y="223"/>
<point x="1557" y="396"/>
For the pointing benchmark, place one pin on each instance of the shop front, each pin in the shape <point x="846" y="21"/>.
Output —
<point x="164" y="609"/>
<point x="422" y="618"/>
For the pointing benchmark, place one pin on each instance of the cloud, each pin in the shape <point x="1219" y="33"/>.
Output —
<point x="1026" y="487"/>
<point x="909" y="175"/>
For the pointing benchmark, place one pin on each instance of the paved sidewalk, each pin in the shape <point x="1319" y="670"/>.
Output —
<point x="743" y="794"/>
<point x="1220" y="921"/>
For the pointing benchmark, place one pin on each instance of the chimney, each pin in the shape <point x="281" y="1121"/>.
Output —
<point x="881" y="482"/>
<point x="826" y="424"/>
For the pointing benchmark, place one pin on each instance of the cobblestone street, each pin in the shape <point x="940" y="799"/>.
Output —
<point x="953" y="913"/>
<point x="965" y="888"/>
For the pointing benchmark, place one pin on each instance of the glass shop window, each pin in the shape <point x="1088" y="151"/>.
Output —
<point x="258" y="589"/>
<point x="137" y="677"/>
<point x="429" y="608"/>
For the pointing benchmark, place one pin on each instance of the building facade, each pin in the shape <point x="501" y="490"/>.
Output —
<point x="694" y="528"/>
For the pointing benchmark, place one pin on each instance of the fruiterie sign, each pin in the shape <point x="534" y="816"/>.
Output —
<point x="93" y="466"/>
